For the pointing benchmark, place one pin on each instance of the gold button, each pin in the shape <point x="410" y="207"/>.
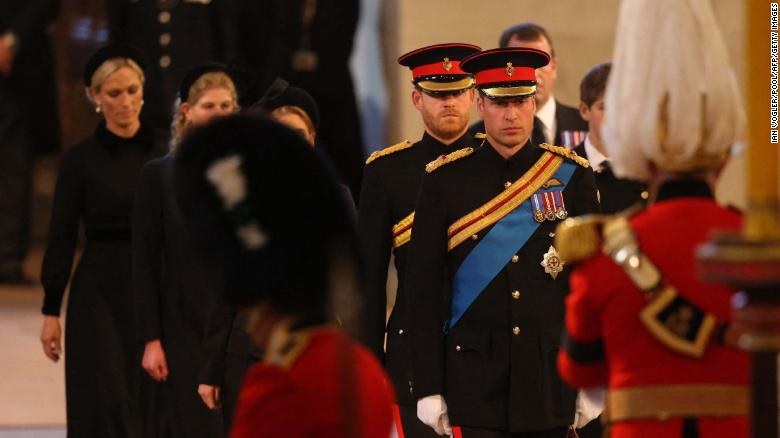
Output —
<point x="165" y="61"/>
<point x="164" y="17"/>
<point x="516" y="294"/>
<point x="401" y="332"/>
<point x="516" y="330"/>
<point x="474" y="237"/>
<point x="507" y="184"/>
<point x="457" y="348"/>
<point x="645" y="194"/>
<point x="165" y="39"/>
<point x="515" y="258"/>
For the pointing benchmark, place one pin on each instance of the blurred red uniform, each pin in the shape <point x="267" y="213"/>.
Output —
<point x="607" y="343"/>
<point x="322" y="385"/>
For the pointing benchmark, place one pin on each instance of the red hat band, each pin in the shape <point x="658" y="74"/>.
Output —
<point x="509" y="73"/>
<point x="444" y="67"/>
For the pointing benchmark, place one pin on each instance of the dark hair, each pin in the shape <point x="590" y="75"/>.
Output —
<point x="594" y="82"/>
<point x="526" y="32"/>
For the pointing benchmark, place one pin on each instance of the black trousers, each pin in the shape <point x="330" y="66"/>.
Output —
<point x="15" y="182"/>
<point x="468" y="432"/>
<point x="411" y="426"/>
<point x="594" y="429"/>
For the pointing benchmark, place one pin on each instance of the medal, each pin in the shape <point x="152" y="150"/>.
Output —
<point x="537" y="207"/>
<point x="552" y="262"/>
<point x="560" y="207"/>
<point x="549" y="209"/>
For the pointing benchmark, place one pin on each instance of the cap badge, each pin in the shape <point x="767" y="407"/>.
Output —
<point x="510" y="69"/>
<point x="447" y="64"/>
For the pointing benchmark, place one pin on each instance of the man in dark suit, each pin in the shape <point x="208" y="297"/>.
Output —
<point x="28" y="118"/>
<point x="486" y="282"/>
<point x="555" y="123"/>
<point x="615" y="194"/>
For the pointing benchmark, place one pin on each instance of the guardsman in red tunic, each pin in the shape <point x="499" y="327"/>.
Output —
<point x="262" y="202"/>
<point x="638" y="319"/>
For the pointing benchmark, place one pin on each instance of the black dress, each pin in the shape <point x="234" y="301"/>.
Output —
<point x="175" y="294"/>
<point x="96" y="186"/>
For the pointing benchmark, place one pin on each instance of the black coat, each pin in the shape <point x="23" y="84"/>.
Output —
<point x="389" y="192"/>
<point x="175" y="36"/>
<point x="615" y="194"/>
<point x="331" y="37"/>
<point x="31" y="83"/>
<point x="490" y="376"/>
<point x="96" y="186"/>
<point x="175" y="292"/>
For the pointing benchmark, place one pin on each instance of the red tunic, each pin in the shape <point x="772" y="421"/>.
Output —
<point x="604" y="305"/>
<point x="331" y="387"/>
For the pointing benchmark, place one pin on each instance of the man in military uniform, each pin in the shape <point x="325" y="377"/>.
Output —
<point x="175" y="36"/>
<point x="615" y="194"/>
<point x="486" y="282"/>
<point x="638" y="319"/>
<point x="443" y="93"/>
<point x="555" y="122"/>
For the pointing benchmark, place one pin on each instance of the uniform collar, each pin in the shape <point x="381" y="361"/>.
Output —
<point x="523" y="158"/>
<point x="684" y="188"/>
<point x="457" y="144"/>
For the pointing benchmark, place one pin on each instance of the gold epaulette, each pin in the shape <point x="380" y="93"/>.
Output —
<point x="449" y="158"/>
<point x="562" y="151"/>
<point x="480" y="136"/>
<point x="579" y="238"/>
<point x="389" y="150"/>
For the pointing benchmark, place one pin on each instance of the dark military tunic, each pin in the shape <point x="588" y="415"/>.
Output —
<point x="496" y="366"/>
<point x="96" y="186"/>
<point x="175" y="36"/>
<point x="175" y="293"/>
<point x="389" y="193"/>
<point x="615" y="194"/>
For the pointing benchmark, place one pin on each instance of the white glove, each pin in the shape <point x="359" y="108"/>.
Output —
<point x="432" y="410"/>
<point x="590" y="404"/>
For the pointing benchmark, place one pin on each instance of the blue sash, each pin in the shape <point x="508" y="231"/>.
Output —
<point x="496" y="249"/>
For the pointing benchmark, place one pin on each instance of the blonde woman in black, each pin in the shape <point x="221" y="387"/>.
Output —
<point x="95" y="187"/>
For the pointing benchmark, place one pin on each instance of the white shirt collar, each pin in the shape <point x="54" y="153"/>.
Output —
<point x="595" y="158"/>
<point x="546" y="113"/>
